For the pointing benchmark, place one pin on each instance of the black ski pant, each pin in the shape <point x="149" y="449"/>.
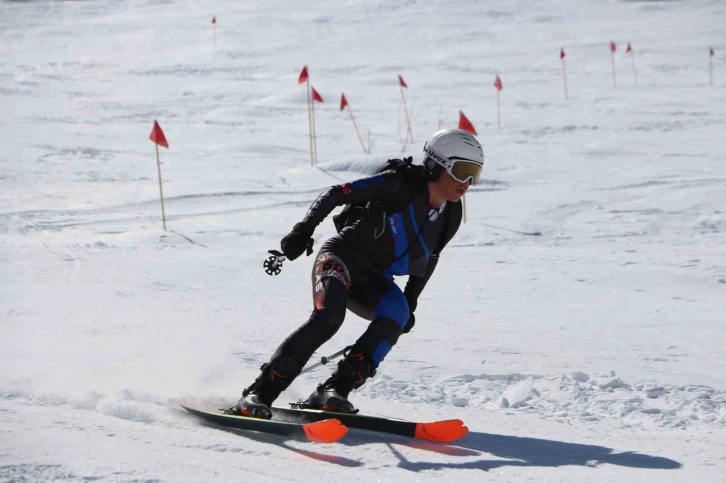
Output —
<point x="343" y="280"/>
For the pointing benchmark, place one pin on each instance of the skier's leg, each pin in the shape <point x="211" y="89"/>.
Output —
<point x="390" y="316"/>
<point x="323" y="323"/>
<point x="331" y="280"/>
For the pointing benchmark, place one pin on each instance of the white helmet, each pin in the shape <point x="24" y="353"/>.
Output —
<point x="457" y="152"/>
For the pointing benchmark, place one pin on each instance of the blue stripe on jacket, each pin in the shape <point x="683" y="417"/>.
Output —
<point x="400" y="245"/>
<point x="416" y="230"/>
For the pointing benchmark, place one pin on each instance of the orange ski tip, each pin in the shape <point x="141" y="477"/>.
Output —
<point x="441" y="431"/>
<point x="326" y="431"/>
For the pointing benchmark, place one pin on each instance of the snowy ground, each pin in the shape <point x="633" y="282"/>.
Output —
<point x="593" y="351"/>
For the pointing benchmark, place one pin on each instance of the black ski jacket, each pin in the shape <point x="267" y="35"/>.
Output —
<point x="394" y="233"/>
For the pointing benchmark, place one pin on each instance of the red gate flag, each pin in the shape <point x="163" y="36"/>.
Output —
<point x="628" y="49"/>
<point x="343" y="101"/>
<point x="316" y="97"/>
<point x="711" y="52"/>
<point x="613" y="48"/>
<point x="303" y="75"/>
<point x="157" y="135"/>
<point x="214" y="20"/>
<point x="498" y="83"/>
<point x="402" y="82"/>
<point x="465" y="124"/>
<point x="562" y="53"/>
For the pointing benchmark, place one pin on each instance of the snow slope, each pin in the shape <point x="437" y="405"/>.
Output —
<point x="576" y="322"/>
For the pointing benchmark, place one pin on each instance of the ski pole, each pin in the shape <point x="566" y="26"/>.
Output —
<point x="273" y="265"/>
<point x="325" y="360"/>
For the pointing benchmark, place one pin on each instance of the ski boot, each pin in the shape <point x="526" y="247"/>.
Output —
<point x="332" y="395"/>
<point x="257" y="399"/>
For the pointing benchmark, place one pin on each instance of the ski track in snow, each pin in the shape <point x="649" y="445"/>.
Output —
<point x="569" y="398"/>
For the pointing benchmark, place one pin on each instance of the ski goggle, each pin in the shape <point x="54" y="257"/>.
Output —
<point x="462" y="170"/>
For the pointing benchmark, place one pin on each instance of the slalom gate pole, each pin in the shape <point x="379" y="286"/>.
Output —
<point x="161" y="190"/>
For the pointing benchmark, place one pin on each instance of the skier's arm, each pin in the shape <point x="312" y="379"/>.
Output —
<point x="356" y="192"/>
<point x="299" y="240"/>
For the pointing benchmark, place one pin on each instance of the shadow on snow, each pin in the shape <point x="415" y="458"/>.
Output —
<point x="518" y="451"/>
<point x="514" y="451"/>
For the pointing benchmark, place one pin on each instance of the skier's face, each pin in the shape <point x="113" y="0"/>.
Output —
<point x="450" y="188"/>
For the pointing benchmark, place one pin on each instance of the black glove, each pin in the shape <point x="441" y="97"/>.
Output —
<point x="298" y="241"/>
<point x="409" y="325"/>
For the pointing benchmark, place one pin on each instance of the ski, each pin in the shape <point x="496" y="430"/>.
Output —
<point x="445" y="431"/>
<point x="322" y="430"/>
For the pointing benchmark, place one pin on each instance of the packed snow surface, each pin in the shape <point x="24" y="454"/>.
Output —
<point x="575" y="323"/>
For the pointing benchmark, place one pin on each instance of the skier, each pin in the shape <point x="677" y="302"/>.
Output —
<point x="410" y="213"/>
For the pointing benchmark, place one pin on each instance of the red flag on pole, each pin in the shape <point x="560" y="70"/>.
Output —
<point x="214" y="31"/>
<point x="564" y="74"/>
<point x="157" y="135"/>
<point x="629" y="50"/>
<point x="465" y="124"/>
<point x="303" y="75"/>
<point x="343" y="104"/>
<point x="498" y="83"/>
<point x="409" y="133"/>
<point x="613" y="48"/>
<point x="316" y="97"/>
<point x="302" y="78"/>
<point x="711" y="52"/>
